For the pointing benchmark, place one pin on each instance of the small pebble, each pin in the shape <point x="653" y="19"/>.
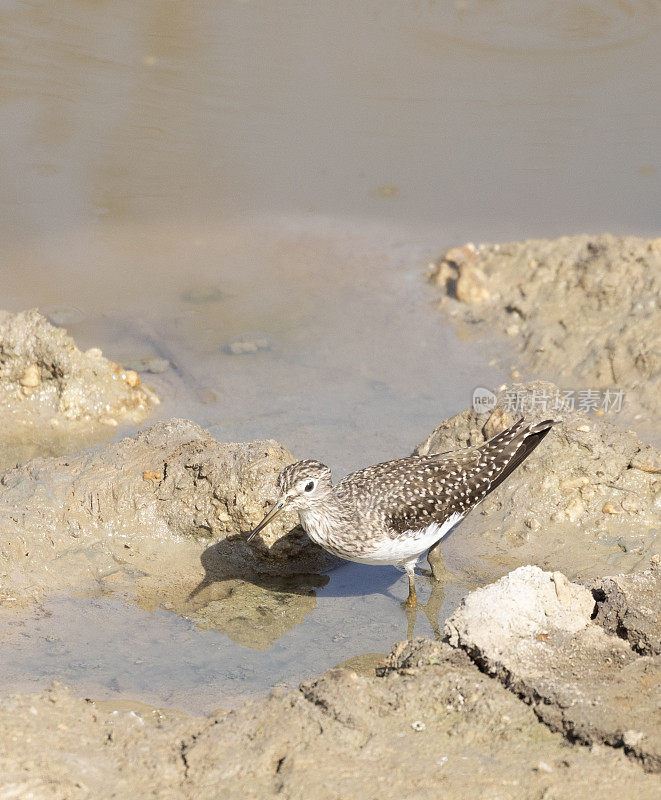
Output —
<point x="152" y="475"/>
<point x="544" y="767"/>
<point x="562" y="589"/>
<point x="248" y="343"/>
<point x="611" y="508"/>
<point x="631" y="738"/>
<point x="239" y="348"/>
<point x="418" y="725"/>
<point x="574" y="509"/>
<point x="460" y="255"/>
<point x="471" y="285"/>
<point x="132" y="378"/>
<point x="387" y="191"/>
<point x="630" y="504"/>
<point x="583" y="428"/>
<point x="111" y="422"/>
<point x="30" y="377"/>
<point x="202" y="295"/>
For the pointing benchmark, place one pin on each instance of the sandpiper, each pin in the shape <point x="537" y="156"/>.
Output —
<point x="393" y="512"/>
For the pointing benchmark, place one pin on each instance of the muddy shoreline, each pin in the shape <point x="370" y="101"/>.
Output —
<point x="581" y="311"/>
<point x="543" y="680"/>
<point x="471" y="715"/>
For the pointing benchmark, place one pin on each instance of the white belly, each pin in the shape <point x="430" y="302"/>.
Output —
<point x="408" y="546"/>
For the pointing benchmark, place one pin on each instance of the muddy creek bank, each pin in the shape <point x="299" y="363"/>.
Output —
<point x="167" y="510"/>
<point x="580" y="310"/>
<point x="474" y="715"/>
<point x="150" y="532"/>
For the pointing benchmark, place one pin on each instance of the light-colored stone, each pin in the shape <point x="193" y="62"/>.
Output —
<point x="30" y="377"/>
<point x="518" y="607"/>
<point x="472" y="285"/>
<point x="543" y="644"/>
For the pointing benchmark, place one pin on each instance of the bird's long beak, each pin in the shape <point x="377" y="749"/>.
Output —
<point x="277" y="509"/>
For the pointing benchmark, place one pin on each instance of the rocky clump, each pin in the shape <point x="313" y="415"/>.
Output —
<point x="41" y="364"/>
<point x="534" y="631"/>
<point x="629" y="606"/>
<point x="584" y="309"/>
<point x="54" y="398"/>
<point x="585" y="502"/>
<point x="165" y="511"/>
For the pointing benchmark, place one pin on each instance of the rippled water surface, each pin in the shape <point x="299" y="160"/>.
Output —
<point x="180" y="180"/>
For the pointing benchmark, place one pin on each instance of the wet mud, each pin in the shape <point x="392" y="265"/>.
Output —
<point x="556" y="708"/>
<point x="587" y="501"/>
<point x="540" y="682"/>
<point x="580" y="310"/>
<point x="54" y="398"/>
<point x="249" y="236"/>
<point x="165" y="511"/>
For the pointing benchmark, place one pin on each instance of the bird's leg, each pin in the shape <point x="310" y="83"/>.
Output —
<point x="412" y="600"/>
<point x="433" y="607"/>
<point x="411" y="617"/>
<point x="437" y="562"/>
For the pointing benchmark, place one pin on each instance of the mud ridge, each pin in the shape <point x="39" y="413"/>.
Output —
<point x="581" y="310"/>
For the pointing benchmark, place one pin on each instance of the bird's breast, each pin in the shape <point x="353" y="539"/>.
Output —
<point x="317" y="526"/>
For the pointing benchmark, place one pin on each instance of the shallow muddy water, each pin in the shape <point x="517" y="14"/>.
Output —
<point x="183" y="182"/>
<point x="107" y="648"/>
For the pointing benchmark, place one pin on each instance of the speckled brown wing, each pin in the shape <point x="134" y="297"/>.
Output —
<point x="411" y="493"/>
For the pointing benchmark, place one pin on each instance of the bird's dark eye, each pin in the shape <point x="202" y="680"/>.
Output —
<point x="309" y="486"/>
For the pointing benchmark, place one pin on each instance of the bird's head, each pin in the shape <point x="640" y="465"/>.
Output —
<point x="301" y="486"/>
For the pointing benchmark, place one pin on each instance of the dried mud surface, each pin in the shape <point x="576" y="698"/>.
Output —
<point x="599" y="689"/>
<point x="541" y="687"/>
<point x="54" y="398"/>
<point x="582" y="310"/>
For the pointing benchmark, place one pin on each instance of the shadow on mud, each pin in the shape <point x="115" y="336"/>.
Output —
<point x="278" y="569"/>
